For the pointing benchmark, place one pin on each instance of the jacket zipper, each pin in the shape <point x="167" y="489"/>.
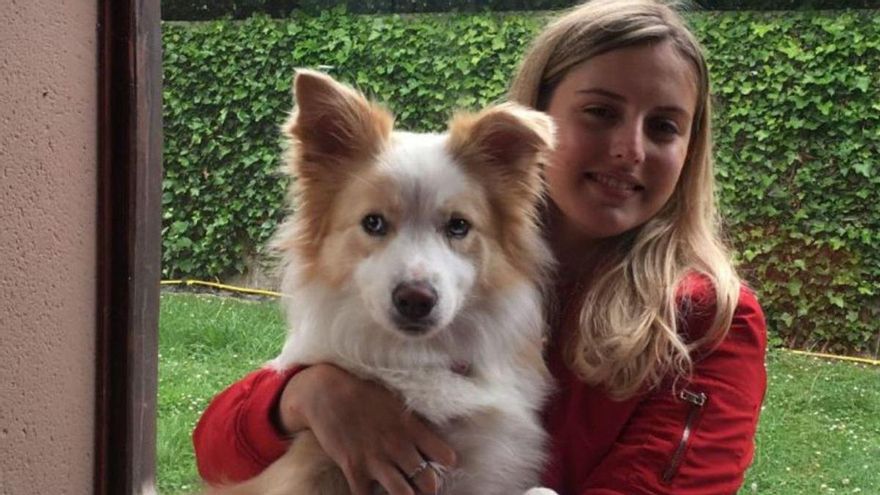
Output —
<point x="697" y="401"/>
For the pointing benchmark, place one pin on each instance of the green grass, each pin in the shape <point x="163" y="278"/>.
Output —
<point x="205" y="343"/>
<point x="820" y="428"/>
<point x="819" y="432"/>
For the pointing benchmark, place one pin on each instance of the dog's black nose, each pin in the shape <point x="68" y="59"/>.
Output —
<point x="414" y="300"/>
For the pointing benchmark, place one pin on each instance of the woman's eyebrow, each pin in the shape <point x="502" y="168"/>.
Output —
<point x="602" y="92"/>
<point x="672" y="109"/>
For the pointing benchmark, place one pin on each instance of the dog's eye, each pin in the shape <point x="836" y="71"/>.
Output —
<point x="457" y="228"/>
<point x="374" y="224"/>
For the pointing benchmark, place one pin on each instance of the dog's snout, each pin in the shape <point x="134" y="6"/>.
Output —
<point x="414" y="300"/>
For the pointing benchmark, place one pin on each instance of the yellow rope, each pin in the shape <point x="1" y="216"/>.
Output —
<point x="232" y="288"/>
<point x="215" y="285"/>
<point x="872" y="362"/>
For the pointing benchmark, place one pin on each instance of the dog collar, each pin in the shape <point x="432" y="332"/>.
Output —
<point x="462" y="368"/>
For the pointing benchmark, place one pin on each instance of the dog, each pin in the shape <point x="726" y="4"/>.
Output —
<point x="417" y="261"/>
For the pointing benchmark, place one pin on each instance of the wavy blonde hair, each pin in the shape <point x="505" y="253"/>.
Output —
<point x="629" y="335"/>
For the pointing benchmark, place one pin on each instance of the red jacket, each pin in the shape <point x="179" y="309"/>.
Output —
<point x="698" y="440"/>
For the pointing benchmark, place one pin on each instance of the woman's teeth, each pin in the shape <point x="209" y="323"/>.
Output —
<point x="612" y="182"/>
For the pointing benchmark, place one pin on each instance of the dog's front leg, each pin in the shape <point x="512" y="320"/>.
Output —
<point x="441" y="395"/>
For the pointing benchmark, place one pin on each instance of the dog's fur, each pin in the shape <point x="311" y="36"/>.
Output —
<point x="472" y="365"/>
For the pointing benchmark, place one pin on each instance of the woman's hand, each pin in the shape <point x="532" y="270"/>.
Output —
<point x="365" y="429"/>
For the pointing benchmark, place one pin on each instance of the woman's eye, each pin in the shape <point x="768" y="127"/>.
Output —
<point x="457" y="228"/>
<point x="665" y="126"/>
<point x="599" y="112"/>
<point x="375" y="224"/>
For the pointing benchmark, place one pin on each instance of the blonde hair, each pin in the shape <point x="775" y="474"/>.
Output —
<point x="629" y="336"/>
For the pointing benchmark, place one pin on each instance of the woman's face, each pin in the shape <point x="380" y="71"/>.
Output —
<point x="623" y="126"/>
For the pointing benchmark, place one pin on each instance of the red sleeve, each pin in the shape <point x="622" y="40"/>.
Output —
<point x="235" y="439"/>
<point x="654" y="453"/>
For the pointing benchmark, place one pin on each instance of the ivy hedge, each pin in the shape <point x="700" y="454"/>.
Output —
<point x="797" y="130"/>
<point x="200" y="10"/>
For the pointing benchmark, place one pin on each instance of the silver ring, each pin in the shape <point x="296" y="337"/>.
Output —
<point x="418" y="470"/>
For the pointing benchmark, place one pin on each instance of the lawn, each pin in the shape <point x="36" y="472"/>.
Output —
<point x="819" y="432"/>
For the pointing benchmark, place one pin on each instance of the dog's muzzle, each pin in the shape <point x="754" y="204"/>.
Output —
<point x="413" y="302"/>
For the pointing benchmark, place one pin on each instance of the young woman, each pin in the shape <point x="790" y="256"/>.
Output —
<point x="657" y="350"/>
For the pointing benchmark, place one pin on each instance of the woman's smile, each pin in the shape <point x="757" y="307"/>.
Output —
<point x="613" y="186"/>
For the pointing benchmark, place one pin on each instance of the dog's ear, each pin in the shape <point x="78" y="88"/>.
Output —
<point x="507" y="142"/>
<point x="333" y="129"/>
<point x="333" y="122"/>
<point x="505" y="147"/>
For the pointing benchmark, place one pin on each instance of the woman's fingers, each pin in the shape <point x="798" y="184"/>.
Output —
<point x="367" y="431"/>
<point x="424" y="479"/>
<point x="358" y="483"/>
<point x="417" y="470"/>
<point x="431" y="445"/>
<point x="390" y="477"/>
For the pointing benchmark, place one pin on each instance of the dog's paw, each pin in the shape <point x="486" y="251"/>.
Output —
<point x="540" y="491"/>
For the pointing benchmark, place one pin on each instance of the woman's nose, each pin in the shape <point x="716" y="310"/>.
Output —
<point x="627" y="144"/>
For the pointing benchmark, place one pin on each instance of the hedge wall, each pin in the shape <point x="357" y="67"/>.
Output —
<point x="797" y="129"/>
<point x="199" y="10"/>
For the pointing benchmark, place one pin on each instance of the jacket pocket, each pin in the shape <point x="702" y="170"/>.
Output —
<point x="696" y="401"/>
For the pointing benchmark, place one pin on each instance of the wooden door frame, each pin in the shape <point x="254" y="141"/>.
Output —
<point x="129" y="230"/>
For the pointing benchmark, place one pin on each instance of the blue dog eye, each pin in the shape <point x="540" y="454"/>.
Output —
<point x="458" y="228"/>
<point x="375" y="224"/>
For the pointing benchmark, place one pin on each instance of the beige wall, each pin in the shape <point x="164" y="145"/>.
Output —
<point x="48" y="175"/>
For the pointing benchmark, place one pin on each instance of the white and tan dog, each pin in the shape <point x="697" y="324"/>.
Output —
<point x="417" y="260"/>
